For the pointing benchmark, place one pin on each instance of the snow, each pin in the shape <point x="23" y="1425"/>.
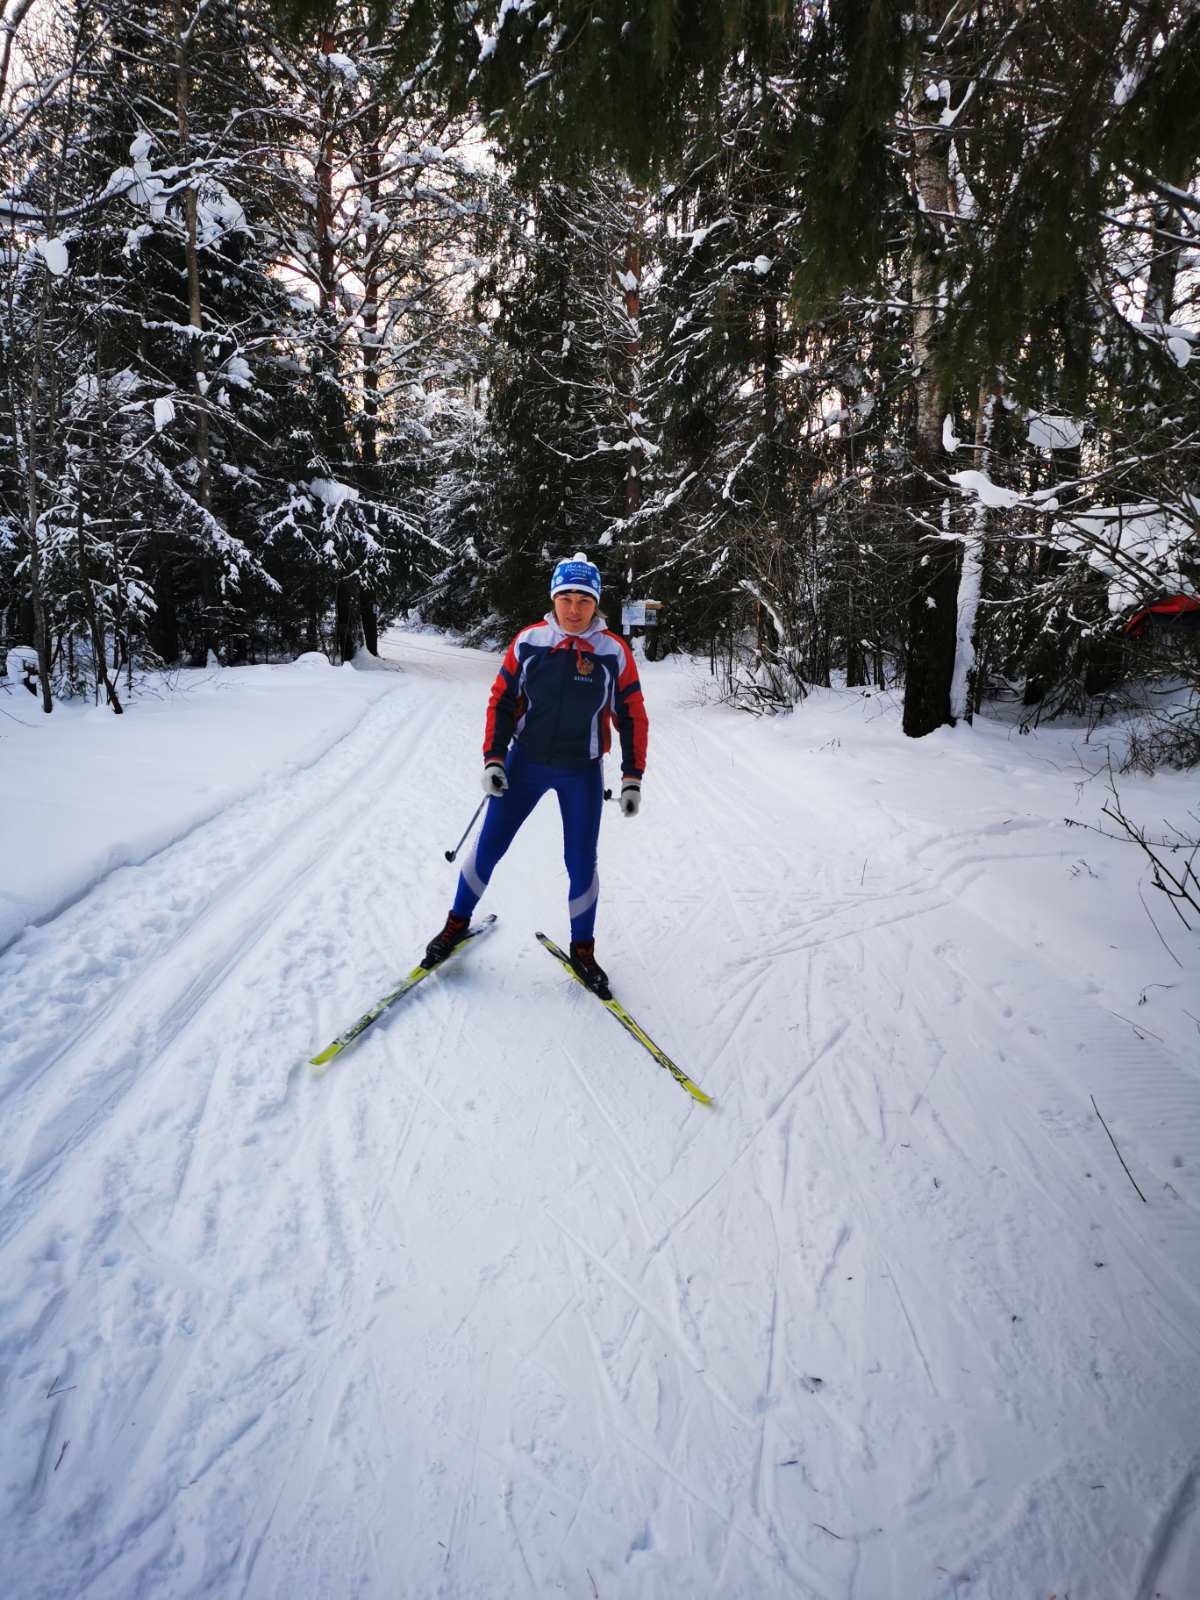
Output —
<point x="139" y="183"/>
<point x="117" y="386"/>
<point x="54" y="253"/>
<point x="698" y="236"/>
<point x="489" y="42"/>
<point x="950" y="440"/>
<point x="164" y="413"/>
<point x="1136" y="546"/>
<point x="342" y="64"/>
<point x="331" y="493"/>
<point x="217" y="214"/>
<point x="970" y="591"/>
<point x="237" y="370"/>
<point x="1047" y="431"/>
<point x="114" y="791"/>
<point x="492" y="1307"/>
<point x="982" y="487"/>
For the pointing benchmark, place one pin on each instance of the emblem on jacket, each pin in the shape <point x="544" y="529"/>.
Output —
<point x="584" y="664"/>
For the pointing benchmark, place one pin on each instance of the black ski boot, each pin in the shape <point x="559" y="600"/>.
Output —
<point x="440" y="946"/>
<point x="583" y="959"/>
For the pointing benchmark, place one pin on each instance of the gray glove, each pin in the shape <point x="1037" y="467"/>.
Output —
<point x="631" y="797"/>
<point x="495" y="779"/>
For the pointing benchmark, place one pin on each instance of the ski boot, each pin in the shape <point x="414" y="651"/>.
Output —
<point x="588" y="969"/>
<point x="440" y="946"/>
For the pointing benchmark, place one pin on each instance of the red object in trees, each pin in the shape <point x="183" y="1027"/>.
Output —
<point x="1174" y="610"/>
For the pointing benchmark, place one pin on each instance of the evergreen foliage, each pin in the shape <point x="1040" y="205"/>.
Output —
<point x="227" y="389"/>
<point x="871" y="352"/>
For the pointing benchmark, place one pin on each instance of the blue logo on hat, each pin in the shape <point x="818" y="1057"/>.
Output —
<point x="577" y="573"/>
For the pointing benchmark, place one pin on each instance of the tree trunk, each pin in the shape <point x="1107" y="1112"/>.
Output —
<point x="349" y="618"/>
<point x="95" y="626"/>
<point x="183" y="83"/>
<point x="347" y="623"/>
<point x="1164" y="263"/>
<point x="163" y="631"/>
<point x="369" y="339"/>
<point x="41" y="633"/>
<point x="970" y="584"/>
<point x="632" y="285"/>
<point x="933" y="592"/>
<point x="372" y="166"/>
<point x="772" y="370"/>
<point x="856" y="661"/>
<point x="370" y="621"/>
<point x="312" y="636"/>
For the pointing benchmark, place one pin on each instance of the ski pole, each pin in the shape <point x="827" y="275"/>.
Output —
<point x="450" y="854"/>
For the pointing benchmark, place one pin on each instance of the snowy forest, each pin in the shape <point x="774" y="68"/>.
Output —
<point x="866" y="341"/>
<point x="796" y="1194"/>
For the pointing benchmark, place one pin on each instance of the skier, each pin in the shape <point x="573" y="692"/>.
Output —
<point x="564" y="681"/>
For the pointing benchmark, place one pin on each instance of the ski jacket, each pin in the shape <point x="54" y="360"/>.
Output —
<point x="558" y="694"/>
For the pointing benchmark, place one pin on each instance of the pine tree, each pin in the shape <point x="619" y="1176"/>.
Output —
<point x="570" y="435"/>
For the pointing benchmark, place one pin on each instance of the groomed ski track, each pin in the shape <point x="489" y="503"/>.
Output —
<point x="493" y="1308"/>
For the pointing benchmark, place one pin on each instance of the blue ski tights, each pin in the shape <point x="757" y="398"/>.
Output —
<point x="580" y="792"/>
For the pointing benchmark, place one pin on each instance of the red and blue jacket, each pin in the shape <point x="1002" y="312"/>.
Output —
<point x="558" y="694"/>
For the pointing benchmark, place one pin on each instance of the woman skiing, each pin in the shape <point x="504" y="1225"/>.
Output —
<point x="563" y="683"/>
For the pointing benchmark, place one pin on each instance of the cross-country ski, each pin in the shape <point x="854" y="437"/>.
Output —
<point x="633" y="1028"/>
<point x="406" y="986"/>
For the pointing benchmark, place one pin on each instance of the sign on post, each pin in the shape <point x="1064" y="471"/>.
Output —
<point x="640" y="614"/>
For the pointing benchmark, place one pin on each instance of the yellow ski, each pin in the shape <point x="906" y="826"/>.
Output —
<point x="630" y="1026"/>
<point x="405" y="986"/>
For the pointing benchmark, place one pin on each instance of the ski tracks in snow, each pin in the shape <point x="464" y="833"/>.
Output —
<point x="149" y="1121"/>
<point x="493" y="1309"/>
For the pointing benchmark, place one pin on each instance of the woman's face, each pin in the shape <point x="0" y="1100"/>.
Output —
<point x="573" y="610"/>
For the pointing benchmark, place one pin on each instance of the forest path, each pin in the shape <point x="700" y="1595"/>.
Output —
<point x="493" y="1308"/>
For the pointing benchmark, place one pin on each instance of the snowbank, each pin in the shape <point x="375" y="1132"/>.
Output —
<point x="83" y="792"/>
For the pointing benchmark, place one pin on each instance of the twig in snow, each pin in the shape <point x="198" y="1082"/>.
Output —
<point x="592" y="1581"/>
<point x="1120" y="1157"/>
<point x="1177" y="886"/>
<point x="54" y="1389"/>
<point x="61" y="1454"/>
<point x="1158" y="930"/>
<point x="863" y="879"/>
<point x="1147" y="989"/>
<point x="829" y="1531"/>
<point x="1136" y="1026"/>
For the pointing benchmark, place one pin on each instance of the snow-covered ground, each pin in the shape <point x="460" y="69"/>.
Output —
<point x="493" y="1308"/>
<point x="82" y="791"/>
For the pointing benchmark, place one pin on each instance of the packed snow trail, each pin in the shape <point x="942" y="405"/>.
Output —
<point x="493" y="1309"/>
